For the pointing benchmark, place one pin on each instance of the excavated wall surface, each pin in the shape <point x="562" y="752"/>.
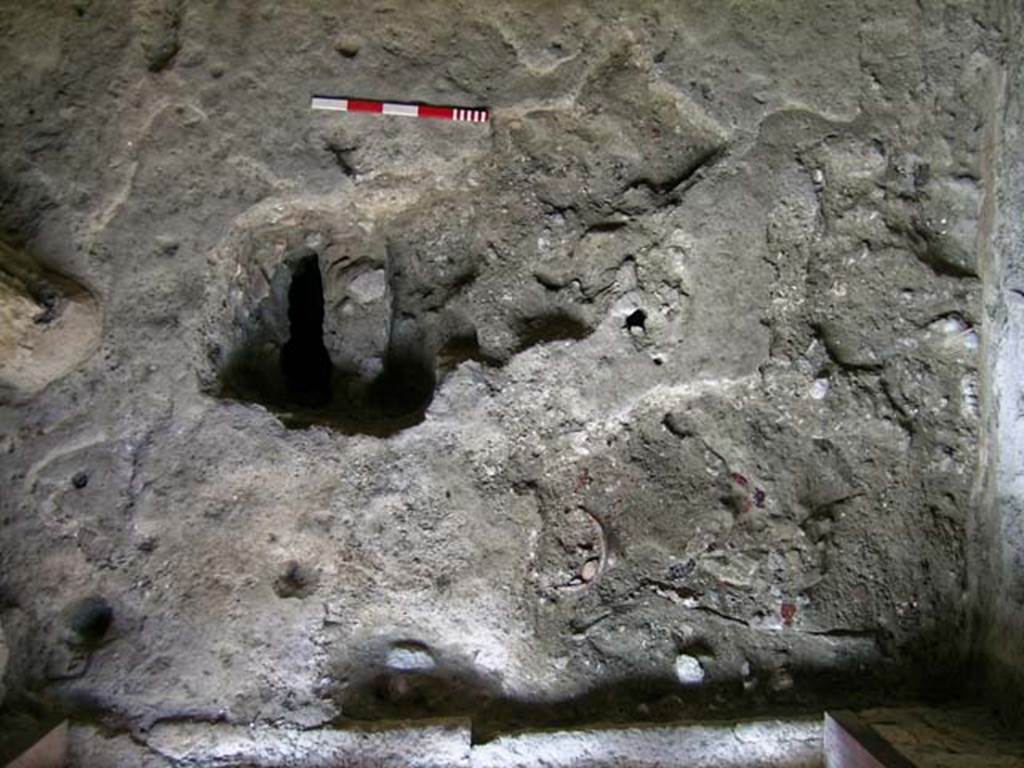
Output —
<point x="656" y="396"/>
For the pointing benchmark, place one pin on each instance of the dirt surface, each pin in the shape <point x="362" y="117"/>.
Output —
<point x="656" y="396"/>
<point x="952" y="738"/>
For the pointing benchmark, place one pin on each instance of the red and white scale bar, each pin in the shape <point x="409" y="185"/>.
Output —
<point x="458" y="114"/>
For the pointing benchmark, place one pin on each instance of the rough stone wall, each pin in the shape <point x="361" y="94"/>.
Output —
<point x="998" y="535"/>
<point x="656" y="396"/>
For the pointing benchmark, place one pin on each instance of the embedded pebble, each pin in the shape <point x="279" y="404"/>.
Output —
<point x="956" y="331"/>
<point x="410" y="657"/>
<point x="950" y="325"/>
<point x="348" y="46"/>
<point x="369" y="286"/>
<point x="689" y="670"/>
<point x="819" y="389"/>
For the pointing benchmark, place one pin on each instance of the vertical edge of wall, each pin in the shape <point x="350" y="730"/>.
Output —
<point x="996" y="534"/>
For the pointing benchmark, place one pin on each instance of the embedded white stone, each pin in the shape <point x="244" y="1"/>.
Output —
<point x="689" y="670"/>
<point x="368" y="286"/>
<point x="410" y="658"/>
<point x="819" y="389"/>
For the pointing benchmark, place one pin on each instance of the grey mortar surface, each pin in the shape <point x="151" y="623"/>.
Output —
<point x="769" y="469"/>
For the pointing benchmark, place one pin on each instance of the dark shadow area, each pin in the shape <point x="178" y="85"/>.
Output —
<point x="305" y="364"/>
<point x="406" y="385"/>
<point x="560" y="325"/>
<point x="454" y="689"/>
<point x="463" y="347"/>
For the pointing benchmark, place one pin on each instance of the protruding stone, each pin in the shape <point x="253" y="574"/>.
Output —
<point x="410" y="657"/>
<point x="348" y="46"/>
<point x="819" y="388"/>
<point x="689" y="670"/>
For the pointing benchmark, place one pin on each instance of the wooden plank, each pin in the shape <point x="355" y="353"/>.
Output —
<point x="49" y="752"/>
<point x="852" y="743"/>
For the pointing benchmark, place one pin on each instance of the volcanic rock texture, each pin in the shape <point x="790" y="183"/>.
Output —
<point x="656" y="396"/>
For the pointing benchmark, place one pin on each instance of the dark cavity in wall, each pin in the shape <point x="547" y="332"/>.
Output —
<point x="280" y="361"/>
<point x="305" y="364"/>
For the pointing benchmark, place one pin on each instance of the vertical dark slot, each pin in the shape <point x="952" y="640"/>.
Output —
<point x="305" y="364"/>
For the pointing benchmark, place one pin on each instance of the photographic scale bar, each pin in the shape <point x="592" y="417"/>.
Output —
<point x="456" y="114"/>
